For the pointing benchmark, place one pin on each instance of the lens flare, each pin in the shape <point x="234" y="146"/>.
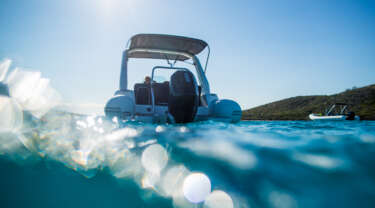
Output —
<point x="154" y="158"/>
<point x="197" y="187"/>
<point x="218" y="199"/>
<point x="33" y="92"/>
<point x="173" y="180"/>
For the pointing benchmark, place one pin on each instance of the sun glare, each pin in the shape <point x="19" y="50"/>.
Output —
<point x="112" y="7"/>
<point x="108" y="7"/>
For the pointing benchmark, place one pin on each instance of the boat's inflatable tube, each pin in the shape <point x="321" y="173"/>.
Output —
<point x="350" y="116"/>
<point x="120" y="106"/>
<point x="227" y="111"/>
<point x="183" y="97"/>
<point x="316" y="117"/>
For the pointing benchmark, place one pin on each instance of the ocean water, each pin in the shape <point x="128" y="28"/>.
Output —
<point x="79" y="161"/>
<point x="50" y="158"/>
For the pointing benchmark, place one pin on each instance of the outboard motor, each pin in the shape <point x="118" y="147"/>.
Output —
<point x="183" y="97"/>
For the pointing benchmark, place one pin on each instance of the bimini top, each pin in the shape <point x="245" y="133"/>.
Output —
<point x="161" y="42"/>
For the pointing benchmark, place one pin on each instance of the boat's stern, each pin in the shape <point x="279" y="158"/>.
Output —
<point x="121" y="106"/>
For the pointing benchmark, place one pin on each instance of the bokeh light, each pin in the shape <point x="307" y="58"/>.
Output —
<point x="218" y="199"/>
<point x="173" y="180"/>
<point x="197" y="186"/>
<point x="154" y="158"/>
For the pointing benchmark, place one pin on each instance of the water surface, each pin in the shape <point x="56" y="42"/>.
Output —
<point x="50" y="158"/>
<point x="74" y="161"/>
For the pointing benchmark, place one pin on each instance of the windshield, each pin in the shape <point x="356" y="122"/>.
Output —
<point x="160" y="79"/>
<point x="139" y="69"/>
<point x="163" y="75"/>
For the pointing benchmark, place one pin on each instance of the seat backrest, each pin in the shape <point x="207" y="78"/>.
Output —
<point x="142" y="93"/>
<point x="161" y="93"/>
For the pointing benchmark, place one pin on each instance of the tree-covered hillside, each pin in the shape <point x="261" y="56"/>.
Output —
<point x="360" y="100"/>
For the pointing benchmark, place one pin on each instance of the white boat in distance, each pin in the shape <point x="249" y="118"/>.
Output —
<point x="340" y="114"/>
<point x="183" y="98"/>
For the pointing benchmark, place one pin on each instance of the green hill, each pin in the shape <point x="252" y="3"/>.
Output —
<point x="360" y="100"/>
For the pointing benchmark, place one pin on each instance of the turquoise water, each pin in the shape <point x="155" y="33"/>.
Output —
<point x="53" y="159"/>
<point x="87" y="161"/>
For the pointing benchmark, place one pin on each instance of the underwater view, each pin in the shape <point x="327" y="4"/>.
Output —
<point x="55" y="158"/>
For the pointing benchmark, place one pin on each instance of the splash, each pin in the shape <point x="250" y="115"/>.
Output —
<point x="86" y="144"/>
<point x="29" y="90"/>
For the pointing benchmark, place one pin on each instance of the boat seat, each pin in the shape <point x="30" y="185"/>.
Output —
<point x="142" y="93"/>
<point x="161" y="93"/>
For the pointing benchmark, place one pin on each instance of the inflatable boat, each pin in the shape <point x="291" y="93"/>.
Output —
<point x="184" y="97"/>
<point x="337" y="112"/>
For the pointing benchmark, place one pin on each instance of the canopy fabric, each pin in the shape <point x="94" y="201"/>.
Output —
<point x="191" y="46"/>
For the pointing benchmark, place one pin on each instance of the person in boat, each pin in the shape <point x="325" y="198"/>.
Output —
<point x="147" y="80"/>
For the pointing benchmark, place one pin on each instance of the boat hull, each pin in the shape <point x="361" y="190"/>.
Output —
<point x="316" y="117"/>
<point x="123" y="107"/>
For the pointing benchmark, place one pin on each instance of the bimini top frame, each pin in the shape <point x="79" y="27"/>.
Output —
<point x="343" y="107"/>
<point x="174" y="43"/>
<point x="168" y="47"/>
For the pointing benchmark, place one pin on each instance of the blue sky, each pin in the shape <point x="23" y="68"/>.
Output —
<point x="261" y="51"/>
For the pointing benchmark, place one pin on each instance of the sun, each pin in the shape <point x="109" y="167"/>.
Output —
<point x="108" y="7"/>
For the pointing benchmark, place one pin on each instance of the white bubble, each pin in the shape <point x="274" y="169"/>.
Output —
<point x="154" y="158"/>
<point x="218" y="199"/>
<point x="11" y="115"/>
<point x="197" y="187"/>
